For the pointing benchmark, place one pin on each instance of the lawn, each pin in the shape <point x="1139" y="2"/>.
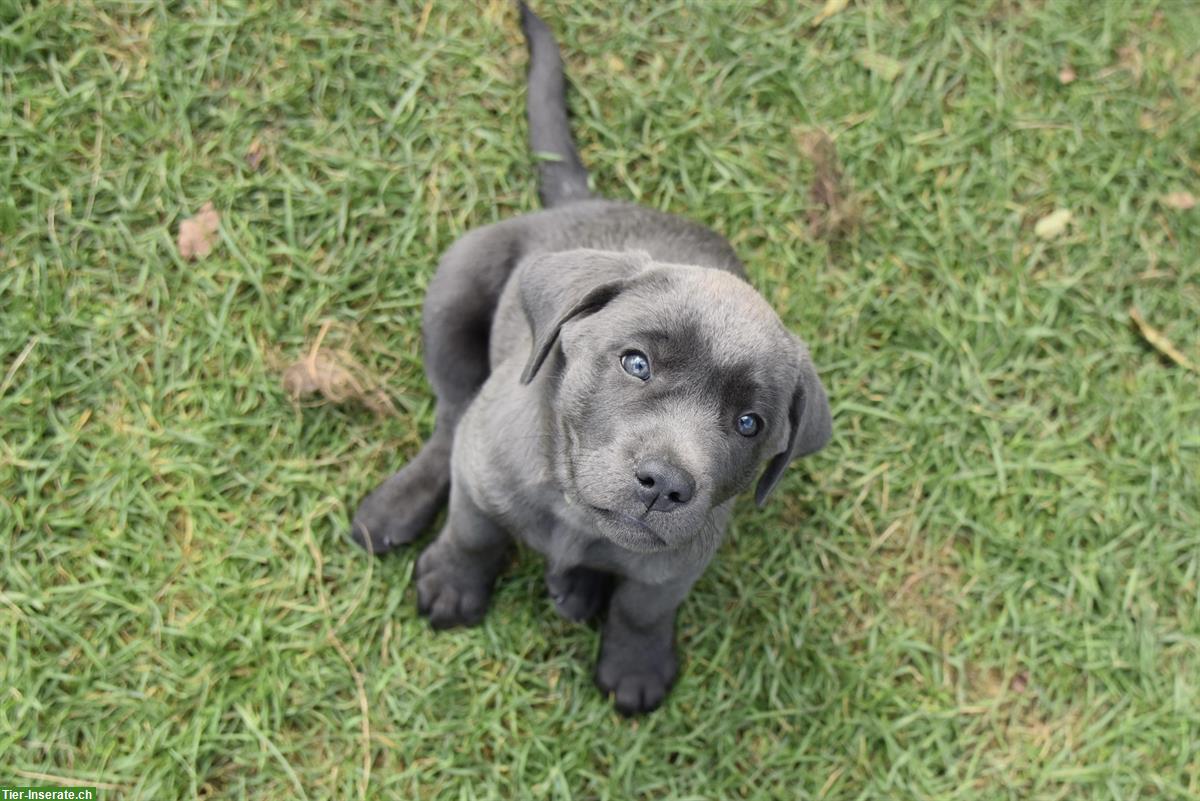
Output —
<point x="986" y="587"/>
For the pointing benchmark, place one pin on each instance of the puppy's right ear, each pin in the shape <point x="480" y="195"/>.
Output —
<point x="559" y="287"/>
<point x="810" y="423"/>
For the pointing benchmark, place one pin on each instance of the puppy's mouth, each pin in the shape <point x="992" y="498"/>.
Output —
<point x="628" y="522"/>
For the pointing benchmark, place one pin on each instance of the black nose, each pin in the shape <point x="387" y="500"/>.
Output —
<point x="662" y="486"/>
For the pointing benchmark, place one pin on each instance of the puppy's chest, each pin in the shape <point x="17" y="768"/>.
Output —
<point x="541" y="517"/>
<point x="563" y="545"/>
<point x="567" y="539"/>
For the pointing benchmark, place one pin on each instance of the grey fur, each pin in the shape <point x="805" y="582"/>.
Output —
<point x="561" y="175"/>
<point x="624" y="485"/>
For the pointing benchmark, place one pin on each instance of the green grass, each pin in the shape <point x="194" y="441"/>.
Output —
<point x="985" y="588"/>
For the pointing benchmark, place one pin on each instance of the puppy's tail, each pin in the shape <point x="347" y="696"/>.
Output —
<point x="562" y="177"/>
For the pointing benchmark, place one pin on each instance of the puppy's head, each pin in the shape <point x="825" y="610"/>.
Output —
<point x="673" y="386"/>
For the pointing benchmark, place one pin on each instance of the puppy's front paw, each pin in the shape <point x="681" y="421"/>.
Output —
<point x="638" y="680"/>
<point x="450" y="593"/>
<point x="579" y="593"/>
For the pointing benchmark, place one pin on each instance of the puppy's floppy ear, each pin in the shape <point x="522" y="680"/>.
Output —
<point x="811" y="424"/>
<point x="558" y="287"/>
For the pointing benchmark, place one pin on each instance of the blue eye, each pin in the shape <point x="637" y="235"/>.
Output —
<point x="749" y="424"/>
<point x="636" y="364"/>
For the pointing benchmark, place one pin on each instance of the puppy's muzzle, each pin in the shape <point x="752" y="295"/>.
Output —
<point x="662" y="486"/>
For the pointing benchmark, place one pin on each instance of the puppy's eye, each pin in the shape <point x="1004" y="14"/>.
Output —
<point x="748" y="425"/>
<point x="636" y="364"/>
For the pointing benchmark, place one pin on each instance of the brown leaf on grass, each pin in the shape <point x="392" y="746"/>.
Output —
<point x="1067" y="75"/>
<point x="1179" y="200"/>
<point x="1053" y="224"/>
<point x="254" y="154"/>
<point x="885" y="67"/>
<point x="1130" y="58"/>
<point x="1160" y="342"/>
<point x="831" y="8"/>
<point x="833" y="211"/>
<point x="198" y="234"/>
<point x="337" y="376"/>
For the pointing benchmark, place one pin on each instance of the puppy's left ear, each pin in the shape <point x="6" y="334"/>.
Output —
<point x="559" y="287"/>
<point x="811" y="425"/>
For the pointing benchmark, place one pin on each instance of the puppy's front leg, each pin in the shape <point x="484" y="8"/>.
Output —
<point x="579" y="593"/>
<point x="456" y="572"/>
<point x="637" y="647"/>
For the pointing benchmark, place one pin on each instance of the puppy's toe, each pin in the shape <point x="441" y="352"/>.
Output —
<point x="371" y="539"/>
<point x="634" y="693"/>
<point x="453" y="607"/>
<point x="399" y="510"/>
<point x="640" y="693"/>
<point x="379" y="533"/>
<point x="637" y="676"/>
<point x="448" y="596"/>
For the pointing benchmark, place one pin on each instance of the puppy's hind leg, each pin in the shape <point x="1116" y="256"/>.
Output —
<point x="459" y="307"/>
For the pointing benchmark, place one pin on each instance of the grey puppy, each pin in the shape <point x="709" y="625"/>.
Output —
<point x="606" y="383"/>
